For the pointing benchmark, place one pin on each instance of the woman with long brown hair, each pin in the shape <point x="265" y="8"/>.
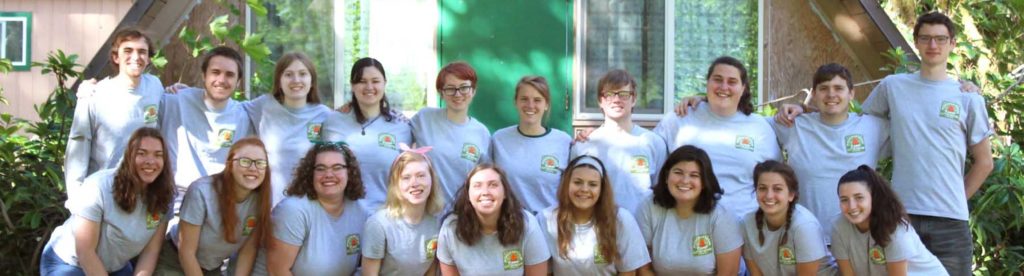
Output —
<point x="221" y="215"/>
<point x="488" y="232"/>
<point x="587" y="233"/>
<point x="120" y="214"/>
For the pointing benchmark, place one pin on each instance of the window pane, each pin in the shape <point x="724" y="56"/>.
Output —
<point x="405" y="47"/>
<point x="14" y="42"/>
<point x="297" y="26"/>
<point x="626" y="35"/>
<point x="706" y="30"/>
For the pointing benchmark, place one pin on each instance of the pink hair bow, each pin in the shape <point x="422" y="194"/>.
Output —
<point x="421" y="150"/>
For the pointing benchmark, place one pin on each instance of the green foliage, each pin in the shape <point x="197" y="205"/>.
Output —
<point x="32" y="181"/>
<point x="225" y="29"/>
<point x="997" y="215"/>
<point x="305" y="26"/>
<point x="5" y="66"/>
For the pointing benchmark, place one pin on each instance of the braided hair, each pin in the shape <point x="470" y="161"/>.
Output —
<point x="787" y="174"/>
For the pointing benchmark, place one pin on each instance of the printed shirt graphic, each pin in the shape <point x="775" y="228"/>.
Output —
<point x="512" y="259"/>
<point x="950" y="110"/>
<point x="488" y="256"/>
<point x="387" y="140"/>
<point x="687" y="246"/>
<point x="250" y="223"/>
<point x="225" y="137"/>
<point x="375" y="145"/>
<point x="313" y="131"/>
<point x="641" y="165"/>
<point x="534" y="163"/>
<point x="470" y="152"/>
<point x="352" y="244"/>
<point x="632" y="160"/>
<point x="855" y="143"/>
<point x="451" y="158"/>
<point x="549" y="164"/>
<point x="804" y="243"/>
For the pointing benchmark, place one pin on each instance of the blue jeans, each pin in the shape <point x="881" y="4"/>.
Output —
<point x="51" y="264"/>
<point x="948" y="239"/>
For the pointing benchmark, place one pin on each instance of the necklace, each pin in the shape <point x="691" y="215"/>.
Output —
<point x="369" y="123"/>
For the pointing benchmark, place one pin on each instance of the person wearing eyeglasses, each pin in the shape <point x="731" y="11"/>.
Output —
<point x="459" y="141"/>
<point x="532" y="154"/>
<point x="221" y="215"/>
<point x="727" y="128"/>
<point x="634" y="154"/>
<point x="372" y="128"/>
<point x="318" y="227"/>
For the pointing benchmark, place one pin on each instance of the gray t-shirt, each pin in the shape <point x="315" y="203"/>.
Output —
<point x="687" y="246"/>
<point x="122" y="235"/>
<point x="287" y="133"/>
<point x="403" y="248"/>
<point x="198" y="139"/>
<point x="488" y="256"/>
<point x="735" y="145"/>
<point x="327" y="245"/>
<point x="867" y="258"/>
<point x="533" y="164"/>
<point x="583" y="257"/>
<point x="820" y="154"/>
<point x="805" y="243"/>
<point x="933" y="124"/>
<point x="632" y="161"/>
<point x="375" y="144"/>
<point x="103" y="124"/>
<point x="200" y="207"/>
<point x="457" y="147"/>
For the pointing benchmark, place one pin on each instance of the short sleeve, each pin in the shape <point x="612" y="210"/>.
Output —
<point x="901" y="247"/>
<point x="291" y="223"/>
<point x="631" y="244"/>
<point x="644" y="221"/>
<point x="884" y="134"/>
<point x="374" y="238"/>
<point x="840" y="248"/>
<point x="978" y="128"/>
<point x="88" y="202"/>
<point x="877" y="103"/>
<point x="193" y="206"/>
<point x="726" y="234"/>
<point x="808" y="242"/>
<point x="659" y="152"/>
<point x="667" y="128"/>
<point x="534" y="246"/>
<point x="446" y="242"/>
<point x="781" y="132"/>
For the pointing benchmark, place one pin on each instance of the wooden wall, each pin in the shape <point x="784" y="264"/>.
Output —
<point x="74" y="26"/>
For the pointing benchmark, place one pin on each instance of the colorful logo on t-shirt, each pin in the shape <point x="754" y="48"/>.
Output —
<point x="431" y="248"/>
<point x="152" y="221"/>
<point x="640" y="164"/>
<point x="512" y="259"/>
<point x="224" y="137"/>
<point x="854" y="143"/>
<point x="149" y="113"/>
<point x="352" y="244"/>
<point x="744" y="142"/>
<point x="250" y="223"/>
<point x="549" y="164"/>
<point x="387" y="140"/>
<point x="313" y="131"/>
<point x="598" y="257"/>
<point x="470" y="152"/>
<point x="702" y="245"/>
<point x="876" y="255"/>
<point x="786" y="256"/>
<point x="950" y="110"/>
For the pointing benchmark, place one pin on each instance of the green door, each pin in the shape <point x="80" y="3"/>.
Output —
<point x="505" y="40"/>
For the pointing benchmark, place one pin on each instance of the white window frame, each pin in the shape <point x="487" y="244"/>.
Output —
<point x="26" y="48"/>
<point x="579" y="78"/>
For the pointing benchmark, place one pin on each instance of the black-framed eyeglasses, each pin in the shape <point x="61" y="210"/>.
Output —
<point x="938" y="39"/>
<point x="248" y="163"/>
<point x="462" y="90"/>
<point x="621" y="94"/>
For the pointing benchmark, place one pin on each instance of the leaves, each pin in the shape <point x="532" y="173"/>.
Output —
<point x="219" y="27"/>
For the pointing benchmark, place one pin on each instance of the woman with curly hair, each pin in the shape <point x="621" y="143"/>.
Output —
<point x="488" y="232"/>
<point x="119" y="214"/>
<point x="875" y="237"/>
<point x="318" y="227"/>
<point x="587" y="233"/>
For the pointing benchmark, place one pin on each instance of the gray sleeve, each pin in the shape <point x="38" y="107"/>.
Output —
<point x="290" y="222"/>
<point x="883" y="132"/>
<point x="534" y="246"/>
<point x="631" y="244"/>
<point x="193" y="206"/>
<point x="254" y="108"/>
<point x="76" y="162"/>
<point x="726" y="233"/>
<point x="644" y="221"/>
<point x="666" y="129"/>
<point x="660" y="153"/>
<point x="978" y="128"/>
<point x="170" y="120"/>
<point x="840" y="250"/>
<point x="901" y="247"/>
<point x="877" y="102"/>
<point x="781" y="131"/>
<point x="88" y="202"/>
<point x="374" y="239"/>
<point x="332" y="131"/>
<point x="808" y="242"/>
<point x="446" y="242"/>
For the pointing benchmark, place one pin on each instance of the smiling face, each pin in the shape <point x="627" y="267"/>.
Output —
<point x="415" y="183"/>
<point x="149" y="159"/>
<point x="833" y="97"/>
<point x="617" y="101"/>
<point x="684" y="181"/>
<point x="248" y="178"/>
<point x="221" y="78"/>
<point x="531" y="105"/>
<point x="330" y="175"/>
<point x="296" y="81"/>
<point x="132" y="57"/>
<point x="486" y="193"/>
<point x="369" y="90"/>
<point x="773" y="194"/>
<point x="855" y="203"/>
<point x="584" y="187"/>
<point x="724" y="89"/>
<point x="458" y="102"/>
<point x="933" y="51"/>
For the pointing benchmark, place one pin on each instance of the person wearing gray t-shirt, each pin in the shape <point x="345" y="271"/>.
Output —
<point x="686" y="231"/>
<point x="488" y="232"/>
<point x="586" y="233"/>
<point x="532" y="154"/>
<point x="401" y="238"/>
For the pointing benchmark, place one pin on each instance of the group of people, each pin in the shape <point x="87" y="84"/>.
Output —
<point x="196" y="183"/>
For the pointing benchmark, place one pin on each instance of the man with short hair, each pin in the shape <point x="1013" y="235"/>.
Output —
<point x="633" y="155"/>
<point x="934" y="128"/>
<point x="103" y="123"/>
